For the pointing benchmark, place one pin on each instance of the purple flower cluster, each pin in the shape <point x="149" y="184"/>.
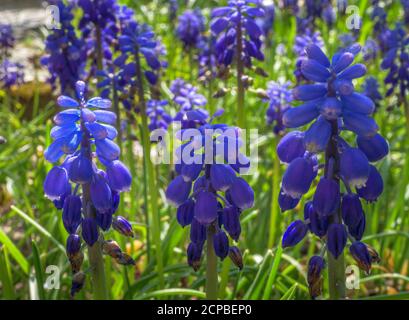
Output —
<point x="334" y="106"/>
<point x="66" y="57"/>
<point x="6" y="40"/>
<point x="370" y="88"/>
<point x="159" y="118"/>
<point x="190" y="27"/>
<point x="10" y="74"/>
<point x="190" y="101"/>
<point x="280" y="98"/>
<point x="396" y="61"/>
<point x="237" y="31"/>
<point x="219" y="196"/>
<point x="139" y="40"/>
<point x="302" y="40"/>
<point x="84" y="133"/>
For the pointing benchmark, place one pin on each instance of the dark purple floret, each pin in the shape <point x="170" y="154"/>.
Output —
<point x="360" y="253"/>
<point x="89" y="231"/>
<point x="71" y="213"/>
<point x="295" y="232"/>
<point x="337" y="239"/>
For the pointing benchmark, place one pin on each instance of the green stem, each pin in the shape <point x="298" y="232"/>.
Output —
<point x="336" y="267"/>
<point x="406" y="108"/>
<point x="211" y="267"/>
<point x="152" y="187"/>
<point x="240" y="73"/>
<point x="96" y="260"/>
<point x="275" y="189"/>
<point x="99" y="47"/>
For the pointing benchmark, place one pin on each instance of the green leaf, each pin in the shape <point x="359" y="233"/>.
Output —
<point x="5" y="275"/>
<point x="38" y="271"/>
<point x="289" y="295"/>
<point x="38" y="227"/>
<point x="14" y="251"/>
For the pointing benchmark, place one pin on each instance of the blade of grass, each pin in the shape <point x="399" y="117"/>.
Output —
<point x="38" y="271"/>
<point x="14" y="251"/>
<point x="6" y="276"/>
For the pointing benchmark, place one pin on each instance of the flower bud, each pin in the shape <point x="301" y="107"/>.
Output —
<point x="375" y="148"/>
<point x="327" y="197"/>
<point x="119" y="177"/>
<point x="337" y="239"/>
<point x="231" y="221"/>
<point x="104" y="220"/>
<point x="125" y="260"/>
<point x="361" y="255"/>
<point x="123" y="226"/>
<point x="56" y="183"/>
<point x="205" y="207"/>
<point x="314" y="276"/>
<point x="194" y="255"/>
<point x="111" y="248"/>
<point x="286" y="202"/>
<point x="291" y="146"/>
<point x="73" y="244"/>
<point x="317" y="136"/>
<point x="76" y="261"/>
<point x="373" y="254"/>
<point x="221" y="244"/>
<point x="351" y="209"/>
<point x="101" y="194"/>
<point x="80" y="170"/>
<point x="354" y="167"/>
<point x="236" y="257"/>
<point x="197" y="232"/>
<point x="358" y="231"/>
<point x="242" y="194"/>
<point x="90" y="231"/>
<point x="77" y="283"/>
<point x="373" y="187"/>
<point x="298" y="177"/>
<point x="294" y="234"/>
<point x="185" y="213"/>
<point x="221" y="176"/>
<point x="71" y="215"/>
<point x="178" y="191"/>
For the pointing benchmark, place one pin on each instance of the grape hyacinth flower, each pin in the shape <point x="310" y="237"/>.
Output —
<point x="239" y="41"/>
<point x="331" y="101"/>
<point x="266" y="23"/>
<point x="209" y="196"/>
<point x="83" y="134"/>
<point x="396" y="61"/>
<point x="7" y="40"/>
<point x="10" y="74"/>
<point x="66" y="58"/>
<point x="159" y="118"/>
<point x="191" y="102"/>
<point x="370" y="88"/>
<point x="190" y="27"/>
<point x="280" y="98"/>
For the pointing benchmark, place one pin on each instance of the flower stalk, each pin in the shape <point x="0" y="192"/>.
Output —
<point x="336" y="267"/>
<point x="240" y="73"/>
<point x="211" y="266"/>
<point x="96" y="260"/>
<point x="151" y="181"/>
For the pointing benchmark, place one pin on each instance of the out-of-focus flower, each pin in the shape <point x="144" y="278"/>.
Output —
<point x="10" y="74"/>
<point x="190" y="27"/>
<point x="7" y="40"/>
<point x="280" y="98"/>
